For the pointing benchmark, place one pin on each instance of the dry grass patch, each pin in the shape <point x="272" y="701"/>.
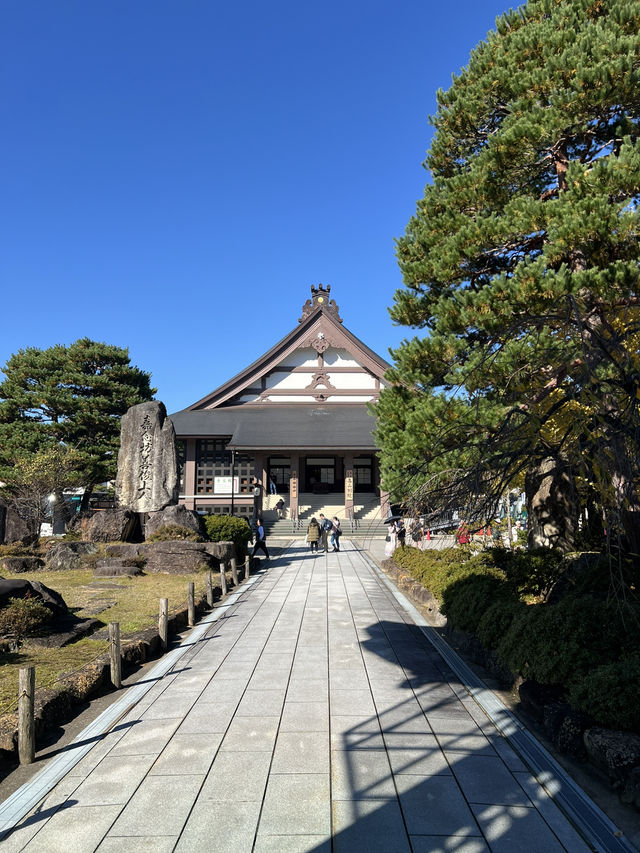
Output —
<point x="131" y="601"/>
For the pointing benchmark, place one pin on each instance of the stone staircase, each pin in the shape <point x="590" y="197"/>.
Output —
<point x="367" y="521"/>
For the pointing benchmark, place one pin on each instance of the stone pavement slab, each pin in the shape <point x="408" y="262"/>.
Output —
<point x="314" y="715"/>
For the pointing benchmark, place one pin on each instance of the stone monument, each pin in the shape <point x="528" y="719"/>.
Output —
<point x="147" y="478"/>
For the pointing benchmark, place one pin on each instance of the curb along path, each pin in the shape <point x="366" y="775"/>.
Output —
<point x="313" y="715"/>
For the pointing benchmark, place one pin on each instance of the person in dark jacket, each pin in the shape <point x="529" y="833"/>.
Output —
<point x="325" y="529"/>
<point x="313" y="535"/>
<point x="261" y="540"/>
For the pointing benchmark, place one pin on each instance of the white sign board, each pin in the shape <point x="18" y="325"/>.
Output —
<point x="222" y="485"/>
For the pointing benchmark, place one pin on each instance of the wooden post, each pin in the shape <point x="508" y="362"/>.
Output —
<point x="223" y="579"/>
<point x="115" y="662"/>
<point x="234" y="571"/>
<point x="209" y="590"/>
<point x="163" y="622"/>
<point x="247" y="567"/>
<point x="191" y="604"/>
<point x="26" y="727"/>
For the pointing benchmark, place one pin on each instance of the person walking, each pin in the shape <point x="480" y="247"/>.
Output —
<point x="261" y="540"/>
<point x="313" y="534"/>
<point x="325" y="528"/>
<point x="336" y="533"/>
<point x="273" y="488"/>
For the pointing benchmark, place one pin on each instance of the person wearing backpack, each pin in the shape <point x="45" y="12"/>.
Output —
<point x="336" y="533"/>
<point x="325" y="529"/>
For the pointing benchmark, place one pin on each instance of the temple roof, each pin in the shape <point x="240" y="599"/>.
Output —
<point x="320" y="327"/>
<point x="282" y="427"/>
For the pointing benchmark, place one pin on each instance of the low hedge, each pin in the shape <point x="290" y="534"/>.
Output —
<point x="587" y="643"/>
<point x="610" y="693"/>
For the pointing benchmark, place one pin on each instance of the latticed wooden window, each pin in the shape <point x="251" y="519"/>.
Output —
<point x="212" y="460"/>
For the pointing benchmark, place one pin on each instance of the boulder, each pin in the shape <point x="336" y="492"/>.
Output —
<point x="14" y="529"/>
<point x="177" y="557"/>
<point x="617" y="753"/>
<point x="147" y="479"/>
<point x="68" y="555"/>
<point x="631" y="792"/>
<point x="534" y="697"/>
<point x="67" y="630"/>
<point x="222" y="551"/>
<point x="569" y="739"/>
<point x="113" y="525"/>
<point x="116" y="567"/>
<point x="23" y="588"/>
<point x="128" y="550"/>
<point x="20" y="565"/>
<point x="174" y="514"/>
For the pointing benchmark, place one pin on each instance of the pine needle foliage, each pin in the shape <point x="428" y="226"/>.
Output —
<point x="520" y="271"/>
<point x="71" y="396"/>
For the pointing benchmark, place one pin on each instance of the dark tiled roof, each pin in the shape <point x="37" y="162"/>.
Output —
<point x="280" y="426"/>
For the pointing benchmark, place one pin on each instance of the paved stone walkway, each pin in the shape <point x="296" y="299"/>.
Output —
<point x="313" y="717"/>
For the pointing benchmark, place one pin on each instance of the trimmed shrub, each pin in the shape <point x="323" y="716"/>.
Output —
<point x="585" y="644"/>
<point x="553" y="644"/>
<point x="172" y="532"/>
<point x="496" y="621"/>
<point x="530" y="572"/>
<point x="23" y="617"/>
<point x="227" y="528"/>
<point x="610" y="694"/>
<point x="465" y="601"/>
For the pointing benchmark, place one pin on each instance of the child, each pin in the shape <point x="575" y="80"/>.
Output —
<point x="313" y="535"/>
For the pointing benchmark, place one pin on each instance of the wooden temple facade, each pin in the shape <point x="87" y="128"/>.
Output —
<point x="297" y="416"/>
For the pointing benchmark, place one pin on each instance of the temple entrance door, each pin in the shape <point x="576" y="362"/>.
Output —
<point x="322" y="474"/>
<point x="280" y="472"/>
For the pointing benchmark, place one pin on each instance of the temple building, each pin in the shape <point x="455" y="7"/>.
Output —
<point x="297" y="418"/>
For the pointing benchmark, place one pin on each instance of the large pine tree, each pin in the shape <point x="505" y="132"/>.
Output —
<point x="72" y="396"/>
<point x="521" y="269"/>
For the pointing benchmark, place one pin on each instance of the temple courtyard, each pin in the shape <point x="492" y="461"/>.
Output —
<point x="309" y="711"/>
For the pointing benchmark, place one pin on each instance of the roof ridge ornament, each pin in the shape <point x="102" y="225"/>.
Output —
<point x="320" y="301"/>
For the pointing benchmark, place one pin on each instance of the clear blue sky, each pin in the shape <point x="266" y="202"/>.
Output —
<point x="177" y="173"/>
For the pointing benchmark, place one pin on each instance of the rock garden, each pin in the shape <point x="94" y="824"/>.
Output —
<point x="57" y="597"/>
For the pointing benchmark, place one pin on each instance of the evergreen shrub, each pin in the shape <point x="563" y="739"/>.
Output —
<point x="532" y="573"/>
<point x="23" y="617"/>
<point x="496" y="621"/>
<point x="169" y="532"/>
<point x="610" y="694"/>
<point x="465" y="601"/>
<point x="587" y="643"/>
<point x="557" y="643"/>
<point x="227" y="528"/>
